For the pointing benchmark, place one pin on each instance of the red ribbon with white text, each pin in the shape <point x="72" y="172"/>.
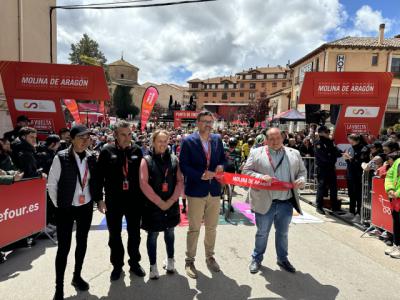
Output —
<point x="253" y="182"/>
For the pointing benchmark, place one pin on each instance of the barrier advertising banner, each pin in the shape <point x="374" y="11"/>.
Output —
<point x="37" y="89"/>
<point x="381" y="214"/>
<point x="362" y="96"/>
<point x="149" y="99"/>
<point x="23" y="211"/>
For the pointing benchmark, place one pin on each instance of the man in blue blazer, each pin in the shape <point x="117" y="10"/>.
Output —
<point x="202" y="155"/>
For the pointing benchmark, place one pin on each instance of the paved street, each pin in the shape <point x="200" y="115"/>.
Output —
<point x="333" y="262"/>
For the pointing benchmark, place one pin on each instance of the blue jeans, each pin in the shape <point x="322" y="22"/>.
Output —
<point x="169" y="238"/>
<point x="280" y="214"/>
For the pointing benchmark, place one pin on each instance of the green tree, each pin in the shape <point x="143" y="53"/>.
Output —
<point x="86" y="52"/>
<point x="123" y="102"/>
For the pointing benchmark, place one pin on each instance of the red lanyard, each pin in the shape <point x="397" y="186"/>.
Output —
<point x="165" y="175"/>
<point x="125" y="167"/>
<point x="83" y="181"/>
<point x="207" y="153"/>
<point x="270" y="159"/>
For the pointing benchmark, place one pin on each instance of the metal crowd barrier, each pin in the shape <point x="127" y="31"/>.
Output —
<point x="366" y="200"/>
<point x="311" y="180"/>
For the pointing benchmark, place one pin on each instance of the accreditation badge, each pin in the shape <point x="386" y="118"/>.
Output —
<point x="125" y="185"/>
<point x="81" y="199"/>
<point x="164" y="187"/>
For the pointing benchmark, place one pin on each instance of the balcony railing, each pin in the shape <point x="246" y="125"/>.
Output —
<point x="393" y="102"/>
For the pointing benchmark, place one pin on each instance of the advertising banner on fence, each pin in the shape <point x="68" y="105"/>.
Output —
<point x="362" y="96"/>
<point x="183" y="114"/>
<point x="37" y="89"/>
<point x="381" y="214"/>
<point x="149" y="99"/>
<point x="23" y="211"/>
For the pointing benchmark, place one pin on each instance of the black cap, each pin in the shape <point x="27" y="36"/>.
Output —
<point x="323" y="128"/>
<point x="78" y="130"/>
<point x="22" y="118"/>
<point x="376" y="144"/>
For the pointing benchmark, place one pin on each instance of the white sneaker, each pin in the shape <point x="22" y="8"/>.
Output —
<point x="389" y="250"/>
<point x="395" y="253"/>
<point x="169" y="265"/>
<point x="356" y="219"/>
<point x="154" y="272"/>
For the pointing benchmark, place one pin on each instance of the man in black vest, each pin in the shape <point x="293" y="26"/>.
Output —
<point x="71" y="188"/>
<point x="118" y="172"/>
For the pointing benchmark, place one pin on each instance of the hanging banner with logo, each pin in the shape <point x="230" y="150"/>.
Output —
<point x="362" y="96"/>
<point x="253" y="182"/>
<point x="149" y="99"/>
<point x="179" y="115"/>
<point x="36" y="89"/>
<point x="73" y="109"/>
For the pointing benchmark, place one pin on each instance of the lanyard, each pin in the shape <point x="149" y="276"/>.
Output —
<point x="165" y="175"/>
<point x="82" y="182"/>
<point x="270" y="160"/>
<point x="207" y="153"/>
<point x="125" y="167"/>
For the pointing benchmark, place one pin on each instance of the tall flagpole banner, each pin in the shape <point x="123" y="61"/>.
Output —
<point x="149" y="99"/>
<point x="73" y="109"/>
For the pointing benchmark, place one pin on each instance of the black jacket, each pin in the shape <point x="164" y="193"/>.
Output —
<point x="109" y="175"/>
<point x="24" y="158"/>
<point x="69" y="177"/>
<point x="359" y="155"/>
<point x="326" y="153"/>
<point x="154" y="219"/>
<point x="45" y="158"/>
<point x="12" y="135"/>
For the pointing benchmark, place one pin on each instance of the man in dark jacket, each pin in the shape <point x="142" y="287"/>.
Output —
<point x="118" y="172"/>
<point x="202" y="155"/>
<point x="23" y="152"/>
<point x="22" y="121"/>
<point x="326" y="154"/>
<point x="71" y="188"/>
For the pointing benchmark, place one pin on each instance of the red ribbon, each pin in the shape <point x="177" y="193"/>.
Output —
<point x="253" y="182"/>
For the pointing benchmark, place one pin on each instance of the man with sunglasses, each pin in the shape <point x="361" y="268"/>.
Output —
<point x="201" y="156"/>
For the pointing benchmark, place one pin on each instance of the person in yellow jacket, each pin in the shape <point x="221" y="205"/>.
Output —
<point x="392" y="187"/>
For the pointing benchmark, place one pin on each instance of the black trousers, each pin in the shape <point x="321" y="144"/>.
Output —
<point x="65" y="219"/>
<point x="354" y="188"/>
<point x="327" y="180"/>
<point x="396" y="227"/>
<point x="114" y="215"/>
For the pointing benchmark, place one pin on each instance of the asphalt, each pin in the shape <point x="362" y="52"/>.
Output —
<point x="332" y="260"/>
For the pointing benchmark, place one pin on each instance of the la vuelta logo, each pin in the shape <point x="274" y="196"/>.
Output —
<point x="361" y="112"/>
<point x="31" y="105"/>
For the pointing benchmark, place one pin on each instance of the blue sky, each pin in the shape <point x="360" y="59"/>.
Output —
<point x="174" y="44"/>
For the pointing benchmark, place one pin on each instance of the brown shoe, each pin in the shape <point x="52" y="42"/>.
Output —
<point x="191" y="270"/>
<point x="212" y="264"/>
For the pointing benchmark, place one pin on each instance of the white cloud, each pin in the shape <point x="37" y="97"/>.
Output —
<point x="208" y="39"/>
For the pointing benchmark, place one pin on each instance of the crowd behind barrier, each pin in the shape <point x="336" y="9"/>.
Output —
<point x="22" y="157"/>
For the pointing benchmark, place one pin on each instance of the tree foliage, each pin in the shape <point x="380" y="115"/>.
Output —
<point x="122" y="100"/>
<point x="86" y="52"/>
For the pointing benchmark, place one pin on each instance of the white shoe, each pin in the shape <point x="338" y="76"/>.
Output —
<point x="395" y="253"/>
<point x="169" y="265"/>
<point x="356" y="219"/>
<point x="389" y="250"/>
<point x="154" y="272"/>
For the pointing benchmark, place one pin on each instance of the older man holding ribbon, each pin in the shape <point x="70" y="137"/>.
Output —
<point x="271" y="162"/>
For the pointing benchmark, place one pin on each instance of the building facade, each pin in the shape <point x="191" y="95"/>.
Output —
<point x="25" y="35"/>
<point x="353" y="54"/>
<point x="225" y="95"/>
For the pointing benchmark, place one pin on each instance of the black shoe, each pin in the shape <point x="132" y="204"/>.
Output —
<point x="339" y="212"/>
<point x="287" y="266"/>
<point x="59" y="294"/>
<point x="79" y="283"/>
<point x="115" y="274"/>
<point x="2" y="257"/>
<point x="254" y="266"/>
<point x="320" y="210"/>
<point x="137" y="270"/>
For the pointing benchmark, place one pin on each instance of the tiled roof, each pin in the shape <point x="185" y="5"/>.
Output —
<point x="353" y="42"/>
<point x="220" y="79"/>
<point x="123" y="63"/>
<point x="366" y="42"/>
<point x="265" y="70"/>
